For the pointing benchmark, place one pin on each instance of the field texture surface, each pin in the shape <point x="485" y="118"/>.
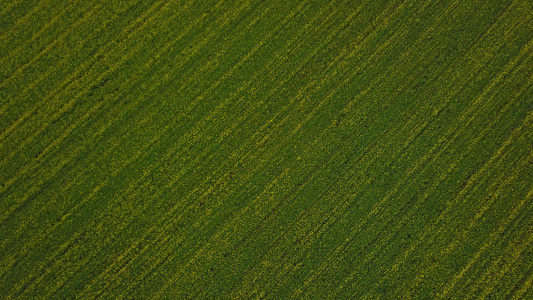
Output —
<point x="266" y="149"/>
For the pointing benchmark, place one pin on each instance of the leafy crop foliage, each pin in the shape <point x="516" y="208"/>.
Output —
<point x="266" y="149"/>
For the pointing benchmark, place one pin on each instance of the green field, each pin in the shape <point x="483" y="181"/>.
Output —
<point x="266" y="149"/>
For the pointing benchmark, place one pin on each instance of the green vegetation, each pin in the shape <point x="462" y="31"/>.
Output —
<point x="266" y="149"/>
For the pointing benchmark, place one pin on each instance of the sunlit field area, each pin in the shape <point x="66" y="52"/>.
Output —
<point x="266" y="149"/>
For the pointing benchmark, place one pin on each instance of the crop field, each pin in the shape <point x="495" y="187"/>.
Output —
<point x="266" y="149"/>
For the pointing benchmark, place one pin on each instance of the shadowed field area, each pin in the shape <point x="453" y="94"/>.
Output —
<point x="266" y="149"/>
